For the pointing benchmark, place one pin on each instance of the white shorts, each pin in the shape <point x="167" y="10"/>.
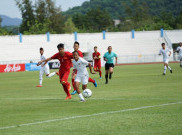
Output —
<point x="45" y="70"/>
<point x="166" y="61"/>
<point x="83" y="79"/>
<point x="180" y="57"/>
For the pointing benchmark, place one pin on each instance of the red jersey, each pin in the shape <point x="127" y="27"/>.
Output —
<point x="65" y="61"/>
<point x="80" y="53"/>
<point x="96" y="61"/>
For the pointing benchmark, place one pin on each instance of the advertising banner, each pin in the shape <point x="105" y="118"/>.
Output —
<point x="12" y="68"/>
<point x="32" y="67"/>
<point x="54" y="65"/>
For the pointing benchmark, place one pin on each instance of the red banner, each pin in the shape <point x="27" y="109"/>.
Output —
<point x="12" y="68"/>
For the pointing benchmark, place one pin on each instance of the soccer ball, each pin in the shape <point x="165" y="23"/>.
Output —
<point x="87" y="93"/>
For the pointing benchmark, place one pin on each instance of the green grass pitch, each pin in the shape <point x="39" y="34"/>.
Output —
<point x="120" y="108"/>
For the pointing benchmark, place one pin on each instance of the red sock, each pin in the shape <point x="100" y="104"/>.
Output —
<point x="65" y="86"/>
<point x="91" y="80"/>
<point x="73" y="84"/>
<point x="100" y="73"/>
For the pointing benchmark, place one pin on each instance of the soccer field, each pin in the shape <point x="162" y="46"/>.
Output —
<point x="138" y="100"/>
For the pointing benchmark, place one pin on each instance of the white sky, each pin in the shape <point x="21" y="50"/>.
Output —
<point x="9" y="8"/>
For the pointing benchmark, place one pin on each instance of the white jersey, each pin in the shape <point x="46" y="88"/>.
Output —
<point x="179" y="49"/>
<point x="80" y="66"/>
<point x="42" y="57"/>
<point x="165" y="53"/>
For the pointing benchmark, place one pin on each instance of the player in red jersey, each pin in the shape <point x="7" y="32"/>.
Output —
<point x="76" y="48"/>
<point x="97" y="61"/>
<point x="64" y="70"/>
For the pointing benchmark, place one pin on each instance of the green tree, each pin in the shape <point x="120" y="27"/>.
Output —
<point x="55" y="17"/>
<point x="27" y="12"/>
<point x="94" y="20"/>
<point x="69" y="26"/>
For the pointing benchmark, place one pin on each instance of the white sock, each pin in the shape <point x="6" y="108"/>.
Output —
<point x="40" y="81"/>
<point x="81" y="96"/>
<point x="165" y="69"/>
<point x="51" y="74"/>
<point x="169" y="68"/>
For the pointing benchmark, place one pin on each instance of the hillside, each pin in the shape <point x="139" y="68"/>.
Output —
<point x="117" y="7"/>
<point x="7" y="21"/>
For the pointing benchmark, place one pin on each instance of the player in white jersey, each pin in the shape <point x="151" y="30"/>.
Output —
<point x="79" y="65"/>
<point x="44" y="68"/>
<point x="166" y="53"/>
<point x="179" y="50"/>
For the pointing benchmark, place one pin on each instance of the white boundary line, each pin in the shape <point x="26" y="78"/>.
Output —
<point x="83" y="116"/>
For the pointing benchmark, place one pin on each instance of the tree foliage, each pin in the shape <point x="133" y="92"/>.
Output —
<point x="93" y="21"/>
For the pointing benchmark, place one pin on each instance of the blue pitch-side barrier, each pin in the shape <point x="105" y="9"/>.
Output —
<point x="162" y="32"/>
<point x="32" y="67"/>
<point x="20" y="37"/>
<point x="48" y="36"/>
<point x="75" y="34"/>
<point x="133" y="34"/>
<point x="103" y="35"/>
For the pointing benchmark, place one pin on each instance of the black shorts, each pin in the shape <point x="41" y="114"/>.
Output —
<point x="108" y="65"/>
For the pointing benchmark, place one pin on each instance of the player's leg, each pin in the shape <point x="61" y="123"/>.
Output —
<point x="181" y="61"/>
<point x="40" y="77"/>
<point x="92" y="81"/>
<point x="100" y="72"/>
<point x="168" y="67"/>
<point x="111" y="69"/>
<point x="64" y="81"/>
<point x="73" y="84"/>
<point x="84" y="80"/>
<point x="106" y="72"/>
<point x="165" y="68"/>
<point x="47" y="72"/>
<point x="77" y="84"/>
<point x="95" y="68"/>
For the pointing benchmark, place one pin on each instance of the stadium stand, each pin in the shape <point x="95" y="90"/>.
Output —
<point x="143" y="48"/>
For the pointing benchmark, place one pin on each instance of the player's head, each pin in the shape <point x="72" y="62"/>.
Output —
<point x="76" y="55"/>
<point x="41" y="51"/>
<point x="76" y="46"/>
<point x="95" y="48"/>
<point x="61" y="48"/>
<point x="180" y="44"/>
<point x="163" y="45"/>
<point x="109" y="49"/>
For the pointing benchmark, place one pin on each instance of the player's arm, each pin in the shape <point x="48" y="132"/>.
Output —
<point x="177" y="50"/>
<point x="99" y="57"/>
<point x="44" y="64"/>
<point x="169" y="53"/>
<point x="159" y="52"/>
<point x="46" y="60"/>
<point x="105" y="59"/>
<point x="90" y="67"/>
<point x="116" y="60"/>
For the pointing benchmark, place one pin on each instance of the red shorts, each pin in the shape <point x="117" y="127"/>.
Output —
<point x="97" y="66"/>
<point x="63" y="75"/>
<point x="75" y="72"/>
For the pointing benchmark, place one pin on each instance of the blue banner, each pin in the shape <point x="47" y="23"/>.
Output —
<point x="32" y="67"/>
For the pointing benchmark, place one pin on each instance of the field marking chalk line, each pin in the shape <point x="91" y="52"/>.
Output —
<point x="84" y="116"/>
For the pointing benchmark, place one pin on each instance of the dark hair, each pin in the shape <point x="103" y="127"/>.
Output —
<point x="180" y="42"/>
<point x="41" y="49"/>
<point x="76" y="52"/>
<point x="109" y="46"/>
<point x="77" y="43"/>
<point x="163" y="44"/>
<point x="60" y="45"/>
<point x="95" y="47"/>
